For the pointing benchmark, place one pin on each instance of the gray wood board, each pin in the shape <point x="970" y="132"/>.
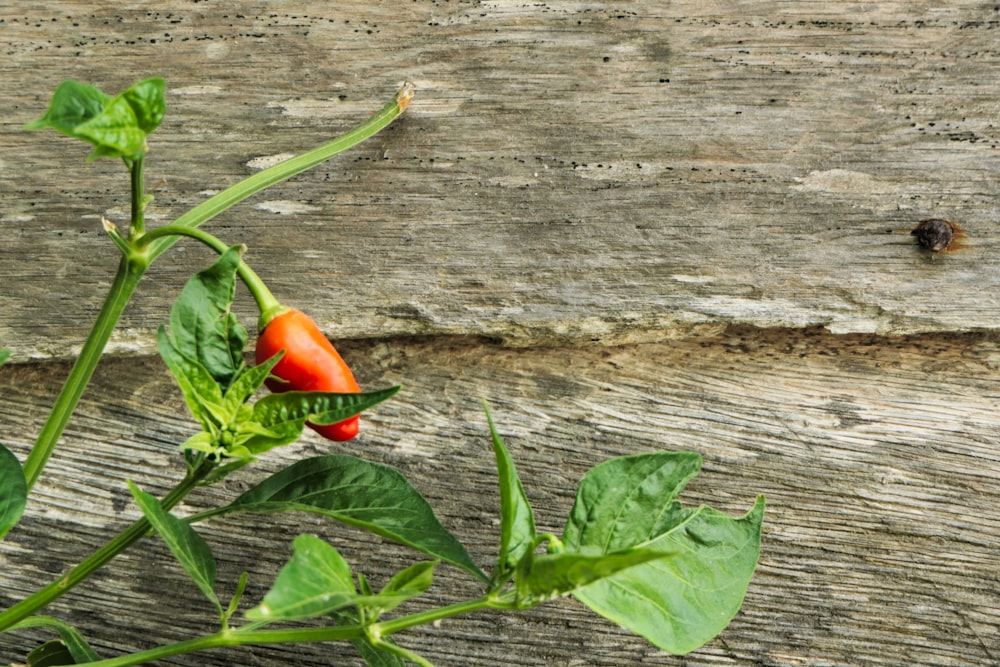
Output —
<point x="569" y="172"/>
<point x="877" y="456"/>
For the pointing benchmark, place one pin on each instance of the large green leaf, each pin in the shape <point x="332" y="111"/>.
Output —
<point x="360" y="493"/>
<point x="316" y="581"/>
<point x="202" y="328"/>
<point x="115" y="126"/>
<point x="187" y="546"/>
<point x="681" y="601"/>
<point x="517" y="522"/>
<point x="13" y="491"/>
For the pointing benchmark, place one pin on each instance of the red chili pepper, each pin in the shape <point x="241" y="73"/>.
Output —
<point x="310" y="364"/>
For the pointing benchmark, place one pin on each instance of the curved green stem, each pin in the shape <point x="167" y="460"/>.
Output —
<point x="138" y="220"/>
<point x="98" y="559"/>
<point x="283" y="170"/>
<point x="261" y="294"/>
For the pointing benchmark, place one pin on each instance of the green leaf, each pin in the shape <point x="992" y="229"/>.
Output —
<point x="359" y="493"/>
<point x="115" y="126"/>
<point x="278" y="419"/>
<point x="201" y="392"/>
<point x="517" y="522"/>
<point x="375" y="656"/>
<point x="405" y="584"/>
<point x="246" y="385"/>
<point x="50" y="654"/>
<point x="541" y="578"/>
<point x="187" y="546"/>
<point x="4" y="356"/>
<point x="78" y="648"/>
<point x="202" y="328"/>
<point x="72" y="104"/>
<point x="678" y="602"/>
<point x="13" y="491"/>
<point x="316" y="581"/>
<point x="148" y="101"/>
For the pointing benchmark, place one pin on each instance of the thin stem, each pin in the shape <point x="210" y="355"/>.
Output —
<point x="98" y="559"/>
<point x="283" y="170"/>
<point x="138" y="221"/>
<point x="432" y="615"/>
<point x="261" y="294"/>
<point x="125" y="282"/>
<point x="233" y="638"/>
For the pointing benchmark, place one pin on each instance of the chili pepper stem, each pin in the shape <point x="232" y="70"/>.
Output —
<point x="268" y="304"/>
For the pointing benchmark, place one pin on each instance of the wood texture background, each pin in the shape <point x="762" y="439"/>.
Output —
<point x="630" y="226"/>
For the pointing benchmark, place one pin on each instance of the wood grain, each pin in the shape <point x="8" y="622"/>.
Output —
<point x="877" y="457"/>
<point x="569" y="172"/>
<point x="629" y="226"/>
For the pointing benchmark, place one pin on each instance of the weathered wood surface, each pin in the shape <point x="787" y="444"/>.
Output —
<point x="621" y="190"/>
<point x="880" y="544"/>
<point x="568" y="171"/>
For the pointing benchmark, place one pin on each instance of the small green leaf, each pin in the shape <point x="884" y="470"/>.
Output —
<point x="72" y="104"/>
<point x="316" y="581"/>
<point x="681" y="601"/>
<point x="517" y="522"/>
<point x="359" y="493"/>
<point x="234" y="603"/>
<point x="405" y="584"/>
<point x="78" y="648"/>
<point x="187" y="546"/>
<point x="278" y="419"/>
<point x="13" y="491"/>
<point x="50" y="654"/>
<point x="4" y="356"/>
<point x="115" y="126"/>
<point x="375" y="656"/>
<point x="541" y="578"/>
<point x="246" y="385"/>
<point x="201" y="392"/>
<point x="202" y="328"/>
<point x="148" y="101"/>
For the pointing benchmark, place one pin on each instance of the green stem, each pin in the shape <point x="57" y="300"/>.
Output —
<point x="126" y="280"/>
<point x="98" y="559"/>
<point x="239" y="637"/>
<point x="283" y="170"/>
<point x="261" y="294"/>
<point x="138" y="222"/>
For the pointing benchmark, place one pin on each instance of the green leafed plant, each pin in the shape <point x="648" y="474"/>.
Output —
<point x="630" y="551"/>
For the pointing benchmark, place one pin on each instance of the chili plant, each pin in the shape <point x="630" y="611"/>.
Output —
<point x="629" y="550"/>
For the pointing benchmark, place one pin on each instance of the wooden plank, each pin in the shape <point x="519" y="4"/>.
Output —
<point x="877" y="457"/>
<point x="569" y="172"/>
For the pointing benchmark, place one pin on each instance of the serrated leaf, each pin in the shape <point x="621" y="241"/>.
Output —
<point x="359" y="493"/>
<point x="13" y="491"/>
<point x="201" y="392"/>
<point x="78" y="648"/>
<point x="517" y="522"/>
<point x="677" y="602"/>
<point x="316" y="581"/>
<point x="245" y="386"/>
<point x="541" y="578"/>
<point x="279" y="419"/>
<point x="202" y="328"/>
<point x="187" y="546"/>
